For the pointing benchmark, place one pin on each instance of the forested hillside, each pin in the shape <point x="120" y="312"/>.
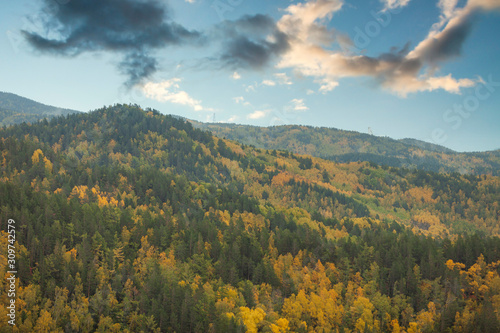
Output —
<point x="15" y="109"/>
<point x="129" y="220"/>
<point x="349" y="146"/>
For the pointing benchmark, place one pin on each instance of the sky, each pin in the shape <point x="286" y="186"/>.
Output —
<point x="427" y="70"/>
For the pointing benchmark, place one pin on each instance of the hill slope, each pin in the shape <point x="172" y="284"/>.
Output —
<point x="328" y="143"/>
<point x="15" y="109"/>
<point x="128" y="219"/>
<point x="348" y="146"/>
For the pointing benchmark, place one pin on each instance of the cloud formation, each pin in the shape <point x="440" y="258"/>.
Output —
<point x="300" y="40"/>
<point x="282" y="78"/>
<point x="393" y="4"/>
<point x="169" y="91"/>
<point x="250" y="42"/>
<point x="401" y="71"/>
<point x="131" y="28"/>
<point x="299" y="105"/>
<point x="257" y="114"/>
<point x="270" y="83"/>
<point x="236" y="76"/>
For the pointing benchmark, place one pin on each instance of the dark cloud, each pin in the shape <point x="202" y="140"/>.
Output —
<point x="251" y="42"/>
<point x="135" y="29"/>
<point x="450" y="42"/>
<point x="132" y="28"/>
<point x="398" y="64"/>
<point x="137" y="66"/>
<point x="396" y="55"/>
<point x="397" y="67"/>
<point x="383" y="66"/>
<point x="411" y="66"/>
<point x="260" y="24"/>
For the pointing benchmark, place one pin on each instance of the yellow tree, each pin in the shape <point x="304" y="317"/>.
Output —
<point x="281" y="326"/>
<point x="362" y="309"/>
<point x="426" y="319"/>
<point x="45" y="323"/>
<point x="252" y="319"/>
<point x="37" y="154"/>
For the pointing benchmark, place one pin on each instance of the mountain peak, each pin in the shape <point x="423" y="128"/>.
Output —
<point x="15" y="109"/>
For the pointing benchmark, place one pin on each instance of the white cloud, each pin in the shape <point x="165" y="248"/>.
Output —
<point x="448" y="10"/>
<point x="328" y="85"/>
<point x="270" y="83"/>
<point x="449" y="84"/>
<point x="257" y="115"/>
<point x="238" y="99"/>
<point x="307" y="37"/>
<point x="232" y="119"/>
<point x="307" y="13"/>
<point x="282" y="78"/>
<point x="279" y="79"/>
<point x="251" y="87"/>
<point x="169" y="91"/>
<point x="236" y="76"/>
<point x="393" y="4"/>
<point x="404" y="85"/>
<point x="241" y="100"/>
<point x="299" y="105"/>
<point x="447" y="7"/>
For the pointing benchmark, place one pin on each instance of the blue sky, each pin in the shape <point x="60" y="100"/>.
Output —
<point x="403" y="68"/>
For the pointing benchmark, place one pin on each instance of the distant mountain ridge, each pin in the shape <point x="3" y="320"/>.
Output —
<point x="16" y="109"/>
<point x="328" y="143"/>
<point x="426" y="145"/>
<point x="350" y="146"/>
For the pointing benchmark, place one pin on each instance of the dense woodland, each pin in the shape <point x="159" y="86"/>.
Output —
<point x="129" y="220"/>
<point x="349" y="146"/>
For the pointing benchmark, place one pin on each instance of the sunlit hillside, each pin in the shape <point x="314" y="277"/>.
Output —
<point x="129" y="220"/>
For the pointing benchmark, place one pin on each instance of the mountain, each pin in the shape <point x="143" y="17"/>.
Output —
<point x="348" y="146"/>
<point x="15" y="109"/>
<point x="128" y="220"/>
<point x="327" y="143"/>
<point x="426" y="145"/>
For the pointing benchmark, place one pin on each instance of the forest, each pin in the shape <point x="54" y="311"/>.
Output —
<point x="128" y="220"/>
<point x="350" y="146"/>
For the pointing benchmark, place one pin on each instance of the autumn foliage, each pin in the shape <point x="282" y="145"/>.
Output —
<point x="129" y="220"/>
